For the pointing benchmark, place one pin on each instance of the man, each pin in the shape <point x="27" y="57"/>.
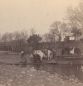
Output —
<point x="23" y="58"/>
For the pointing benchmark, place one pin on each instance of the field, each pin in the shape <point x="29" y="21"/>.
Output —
<point x="46" y="75"/>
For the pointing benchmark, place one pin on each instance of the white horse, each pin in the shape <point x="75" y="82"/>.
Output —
<point x="40" y="53"/>
<point x="48" y="55"/>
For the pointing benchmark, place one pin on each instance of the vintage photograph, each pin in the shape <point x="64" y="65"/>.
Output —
<point x="41" y="43"/>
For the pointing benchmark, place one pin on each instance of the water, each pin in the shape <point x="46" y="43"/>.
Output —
<point x="65" y="71"/>
<point x="40" y="75"/>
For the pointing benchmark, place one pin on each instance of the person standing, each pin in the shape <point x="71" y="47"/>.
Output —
<point x="23" y="58"/>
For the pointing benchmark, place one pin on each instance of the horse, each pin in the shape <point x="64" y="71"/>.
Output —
<point x="40" y="53"/>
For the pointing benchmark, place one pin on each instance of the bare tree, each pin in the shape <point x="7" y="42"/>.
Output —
<point x="6" y="37"/>
<point x="55" y="30"/>
<point x="20" y="35"/>
<point x="0" y="37"/>
<point x="75" y="16"/>
<point x="20" y="40"/>
<point x="32" y="31"/>
<point x="49" y="37"/>
<point x="58" y="30"/>
<point x="76" y="32"/>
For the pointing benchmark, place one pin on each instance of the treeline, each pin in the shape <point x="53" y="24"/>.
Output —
<point x="72" y="26"/>
<point x="14" y="41"/>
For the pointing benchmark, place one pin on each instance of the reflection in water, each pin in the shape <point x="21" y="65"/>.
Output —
<point x="65" y="71"/>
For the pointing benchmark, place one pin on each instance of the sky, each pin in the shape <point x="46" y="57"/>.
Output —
<point x="17" y="15"/>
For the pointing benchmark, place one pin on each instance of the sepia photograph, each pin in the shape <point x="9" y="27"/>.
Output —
<point x="41" y="43"/>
